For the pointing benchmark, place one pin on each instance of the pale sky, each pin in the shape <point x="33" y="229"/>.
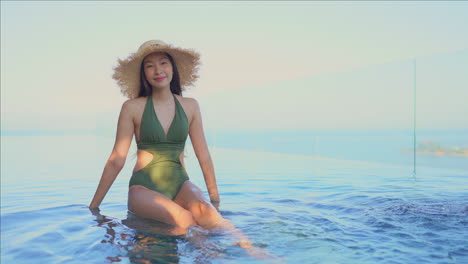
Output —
<point x="264" y="64"/>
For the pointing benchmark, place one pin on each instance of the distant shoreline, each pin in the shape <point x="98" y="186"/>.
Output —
<point x="435" y="149"/>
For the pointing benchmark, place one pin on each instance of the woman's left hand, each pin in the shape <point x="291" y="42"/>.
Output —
<point x="215" y="203"/>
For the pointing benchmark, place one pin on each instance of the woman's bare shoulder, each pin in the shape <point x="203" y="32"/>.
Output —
<point x="136" y="101"/>
<point x="189" y="104"/>
<point x="134" y="106"/>
<point x="189" y="101"/>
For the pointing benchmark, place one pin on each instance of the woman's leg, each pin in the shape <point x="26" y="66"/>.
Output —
<point x="205" y="214"/>
<point x="151" y="204"/>
<point x="191" y="198"/>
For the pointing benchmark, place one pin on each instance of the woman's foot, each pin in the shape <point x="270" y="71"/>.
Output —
<point x="243" y="244"/>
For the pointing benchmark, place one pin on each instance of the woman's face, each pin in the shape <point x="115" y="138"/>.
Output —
<point x="158" y="69"/>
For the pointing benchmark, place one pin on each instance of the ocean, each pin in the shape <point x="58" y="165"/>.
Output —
<point x="301" y="196"/>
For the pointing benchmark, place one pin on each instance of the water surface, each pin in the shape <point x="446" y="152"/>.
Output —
<point x="301" y="208"/>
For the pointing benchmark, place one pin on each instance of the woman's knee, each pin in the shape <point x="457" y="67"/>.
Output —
<point x="185" y="219"/>
<point x="198" y="207"/>
<point x="204" y="213"/>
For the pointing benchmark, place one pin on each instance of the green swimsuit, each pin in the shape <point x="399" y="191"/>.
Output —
<point x="164" y="174"/>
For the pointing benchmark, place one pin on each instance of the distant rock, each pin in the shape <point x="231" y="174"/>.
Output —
<point x="435" y="149"/>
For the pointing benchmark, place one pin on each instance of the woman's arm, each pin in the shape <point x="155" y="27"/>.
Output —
<point x="116" y="161"/>
<point x="201" y="150"/>
<point x="200" y="147"/>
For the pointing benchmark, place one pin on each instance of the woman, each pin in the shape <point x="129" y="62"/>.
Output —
<point x="161" y="119"/>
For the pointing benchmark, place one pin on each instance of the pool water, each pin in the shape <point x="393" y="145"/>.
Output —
<point x="298" y="208"/>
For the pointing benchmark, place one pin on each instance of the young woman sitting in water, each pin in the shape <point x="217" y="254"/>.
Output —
<point x="153" y="79"/>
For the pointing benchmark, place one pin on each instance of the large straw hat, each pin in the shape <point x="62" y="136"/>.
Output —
<point x="127" y="72"/>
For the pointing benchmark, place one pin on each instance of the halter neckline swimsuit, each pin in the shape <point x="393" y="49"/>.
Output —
<point x="164" y="174"/>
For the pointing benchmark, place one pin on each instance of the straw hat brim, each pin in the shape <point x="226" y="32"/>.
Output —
<point x="127" y="71"/>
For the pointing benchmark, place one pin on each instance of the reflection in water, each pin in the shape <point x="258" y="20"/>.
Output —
<point x="135" y="243"/>
<point x="149" y="241"/>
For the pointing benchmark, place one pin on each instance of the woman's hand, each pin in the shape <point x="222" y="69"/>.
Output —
<point x="215" y="203"/>
<point x="95" y="211"/>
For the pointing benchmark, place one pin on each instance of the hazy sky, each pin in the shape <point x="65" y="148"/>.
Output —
<point x="57" y="59"/>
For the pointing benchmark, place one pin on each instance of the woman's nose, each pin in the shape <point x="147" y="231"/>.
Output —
<point x="158" y="69"/>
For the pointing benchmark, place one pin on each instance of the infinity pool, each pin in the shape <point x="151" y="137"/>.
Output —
<point x="298" y="208"/>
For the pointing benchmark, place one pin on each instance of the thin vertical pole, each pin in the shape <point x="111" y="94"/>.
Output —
<point x="414" y="119"/>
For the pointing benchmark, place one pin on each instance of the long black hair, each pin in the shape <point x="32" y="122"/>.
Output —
<point x="146" y="89"/>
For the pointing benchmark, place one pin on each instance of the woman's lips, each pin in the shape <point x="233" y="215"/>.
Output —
<point x="160" y="79"/>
